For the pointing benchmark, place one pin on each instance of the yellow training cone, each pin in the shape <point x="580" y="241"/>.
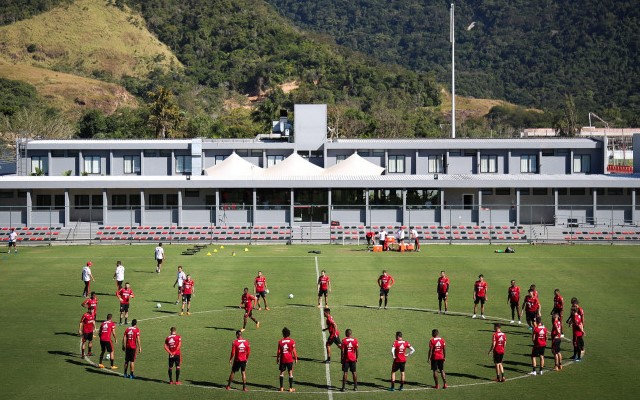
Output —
<point x="233" y="254"/>
<point x="222" y="247"/>
<point x="215" y="250"/>
<point x="209" y="253"/>
<point x="246" y="249"/>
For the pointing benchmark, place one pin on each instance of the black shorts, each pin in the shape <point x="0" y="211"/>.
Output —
<point x="159" y="260"/>
<point x="119" y="283"/>
<point x="349" y="366"/>
<point x="442" y="296"/>
<point x="12" y="244"/>
<point x="537" y="351"/>
<point x="480" y="300"/>
<point x="514" y="305"/>
<point x="175" y="360"/>
<point x="555" y="345"/>
<point x="186" y="298"/>
<point x="334" y="339"/>
<point x="437" y="365"/>
<point x="397" y="366"/>
<point x="129" y="354"/>
<point x="87" y="336"/>
<point x="106" y="346"/>
<point x="384" y="292"/>
<point x="262" y="294"/>
<point x="285" y="366"/>
<point x="531" y="316"/>
<point x="556" y="311"/>
<point x="180" y="289"/>
<point x="322" y="292"/>
<point x="497" y="357"/>
<point x="124" y="307"/>
<point x="239" y="366"/>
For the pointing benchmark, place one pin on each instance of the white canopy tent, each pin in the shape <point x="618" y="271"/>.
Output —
<point x="354" y="166"/>
<point x="294" y="165"/>
<point x="234" y="167"/>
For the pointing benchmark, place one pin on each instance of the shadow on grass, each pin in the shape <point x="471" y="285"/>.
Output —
<point x="459" y="375"/>
<point x="302" y="305"/>
<point x="268" y="387"/>
<point x="220" y="328"/>
<point x="315" y="360"/>
<point x="411" y="383"/>
<point x="70" y="295"/>
<point x="162" y="302"/>
<point x="512" y="369"/>
<point x="61" y="353"/>
<point x="144" y="272"/>
<point x="207" y="384"/>
<point x="234" y="307"/>
<point x="105" y="294"/>
<point x="165" y="311"/>
<point x="67" y="334"/>
<point x="311" y="384"/>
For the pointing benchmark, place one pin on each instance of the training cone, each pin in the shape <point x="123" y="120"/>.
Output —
<point x="222" y="247"/>
<point x="209" y="253"/>
<point x="246" y="249"/>
<point x="233" y="254"/>
<point x="215" y="250"/>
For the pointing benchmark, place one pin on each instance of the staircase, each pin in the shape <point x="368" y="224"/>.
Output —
<point x="314" y="233"/>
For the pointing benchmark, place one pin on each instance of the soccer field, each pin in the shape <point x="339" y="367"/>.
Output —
<point x="41" y="295"/>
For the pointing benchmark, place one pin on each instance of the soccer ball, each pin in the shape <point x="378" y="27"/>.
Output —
<point x="158" y="305"/>
<point x="291" y="295"/>
<point x="267" y="291"/>
<point x="108" y="356"/>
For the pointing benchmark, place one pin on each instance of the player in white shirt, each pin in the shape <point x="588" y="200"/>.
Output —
<point x="416" y="239"/>
<point x="159" y="255"/>
<point x="400" y="235"/>
<point x="180" y="278"/>
<point x="87" y="277"/>
<point x="119" y="274"/>
<point x="13" y="241"/>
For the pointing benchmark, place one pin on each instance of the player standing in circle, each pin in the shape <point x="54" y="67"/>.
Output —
<point x="578" y="333"/>
<point x="13" y="241"/>
<point x="400" y="350"/>
<point x="539" y="338"/>
<point x="498" y="343"/>
<point x="531" y="306"/>
<point x="385" y="281"/>
<point x="535" y="294"/>
<point x="437" y="355"/>
<point x="188" y="290"/>
<point x="87" y="277"/>
<point x="286" y="356"/>
<point x="125" y="295"/>
<point x="334" y="333"/>
<point x="479" y="295"/>
<point x="349" y="359"/>
<point x="85" y="329"/>
<point x="118" y="276"/>
<point x="181" y="276"/>
<point x="247" y="301"/>
<point x="173" y="345"/>
<point x="556" y="339"/>
<point x="443" y="292"/>
<point x="260" y="284"/>
<point x="416" y="239"/>
<point x="159" y="256"/>
<point x="324" y="287"/>
<point x="91" y="304"/>
<point x="131" y="345"/>
<point x="575" y="302"/>
<point x="240" y="351"/>
<point x="513" y="298"/>
<point x="558" y="307"/>
<point x="107" y="332"/>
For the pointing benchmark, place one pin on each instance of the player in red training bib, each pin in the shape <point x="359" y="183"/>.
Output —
<point x="443" y="292"/>
<point x="385" y="281"/>
<point x="349" y="359"/>
<point x="479" y="295"/>
<point x="107" y="339"/>
<point x="539" y="338"/>
<point x="498" y="343"/>
<point x="577" y="326"/>
<point x="125" y="295"/>
<point x="188" y="290"/>
<point x="556" y="340"/>
<point x="437" y="356"/>
<point x="91" y="304"/>
<point x="286" y="356"/>
<point x="240" y="351"/>
<point x="131" y="346"/>
<point x="260" y="284"/>
<point x="513" y="299"/>
<point x="85" y="329"/>
<point x="400" y="350"/>
<point x="173" y="346"/>
<point x="334" y="333"/>
<point x="324" y="287"/>
<point x="531" y="306"/>
<point x="247" y="302"/>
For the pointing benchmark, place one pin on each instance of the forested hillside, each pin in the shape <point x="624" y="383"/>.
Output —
<point x="532" y="53"/>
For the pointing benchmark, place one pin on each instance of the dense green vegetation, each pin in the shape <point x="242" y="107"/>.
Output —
<point x="531" y="53"/>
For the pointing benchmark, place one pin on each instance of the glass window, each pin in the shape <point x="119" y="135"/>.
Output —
<point x="427" y="198"/>
<point x="503" y="191"/>
<point x="92" y="164"/>
<point x="529" y="163"/>
<point x="486" y="192"/>
<point x="43" y="201"/>
<point x="396" y="165"/>
<point x="39" y="165"/>
<point x="191" y="193"/>
<point x="96" y="200"/>
<point x="539" y="191"/>
<point x="156" y="201"/>
<point x="172" y="200"/>
<point x="58" y="202"/>
<point x="435" y="164"/>
<point x="615" y="191"/>
<point x="582" y="163"/>
<point x="183" y="164"/>
<point x="81" y="201"/>
<point x="488" y="164"/>
<point x="119" y="200"/>
<point x="576" y="191"/>
<point x="151" y="153"/>
<point x="131" y="164"/>
<point x="340" y="157"/>
<point x="347" y="197"/>
<point x="385" y="197"/>
<point x="363" y="153"/>
<point x="219" y="159"/>
<point x="273" y="160"/>
<point x="134" y="200"/>
<point x="256" y="153"/>
<point x="525" y="191"/>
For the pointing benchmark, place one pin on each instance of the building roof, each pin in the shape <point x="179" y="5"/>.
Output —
<point x="295" y="164"/>
<point x="354" y="165"/>
<point x="465" y="144"/>
<point x="234" y="167"/>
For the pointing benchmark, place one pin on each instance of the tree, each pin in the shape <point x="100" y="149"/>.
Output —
<point x="165" y="115"/>
<point x="566" y="124"/>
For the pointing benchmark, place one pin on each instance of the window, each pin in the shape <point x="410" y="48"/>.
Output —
<point x="151" y="153"/>
<point x="183" y="164"/>
<point x="525" y="191"/>
<point x="363" y="153"/>
<point x="58" y="202"/>
<point x="39" y="165"/>
<point x="377" y="153"/>
<point x="273" y="160"/>
<point x="92" y="164"/>
<point x="81" y="201"/>
<point x="256" y="153"/>
<point x="503" y="191"/>
<point x="340" y="157"/>
<point x="218" y="159"/>
<point x="57" y="153"/>
<point x="539" y="191"/>
<point x="396" y="165"/>
<point x="6" y="195"/>
<point x="96" y="200"/>
<point x="131" y="164"/>
<point x="172" y="200"/>
<point x="242" y="153"/>
<point x="599" y="191"/>
<point x="486" y="192"/>
<point x="576" y="191"/>
<point x="191" y="193"/>
<point x="562" y="191"/>
<point x="156" y="201"/>
<point x="582" y="163"/>
<point x="529" y="163"/>
<point x="435" y="165"/>
<point x="119" y="201"/>
<point x="43" y="202"/>
<point x="134" y="200"/>
<point x="488" y="164"/>
<point x="615" y="191"/>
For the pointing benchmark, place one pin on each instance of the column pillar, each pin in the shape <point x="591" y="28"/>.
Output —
<point x="633" y="206"/>
<point x="595" y="205"/>
<point x="367" y="209"/>
<point x="517" y="206"/>
<point x="180" y="207"/>
<point x="555" y="206"/>
<point x="29" y="207"/>
<point x="291" y="210"/>
<point x="67" y="208"/>
<point x="216" y="220"/>
<point x="405" y="220"/>
<point x="254" y="207"/>
<point x="105" y="207"/>
<point x="329" y="205"/>
<point x="142" y="208"/>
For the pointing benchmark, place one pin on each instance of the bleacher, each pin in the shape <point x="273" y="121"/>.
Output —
<point x="446" y="233"/>
<point x="32" y="234"/>
<point x="194" y="233"/>
<point x="605" y="235"/>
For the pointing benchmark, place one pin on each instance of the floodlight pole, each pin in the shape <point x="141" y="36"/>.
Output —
<point x="452" y="38"/>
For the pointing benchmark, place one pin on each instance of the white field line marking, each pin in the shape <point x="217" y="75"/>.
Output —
<point x="329" y="391"/>
<point x="324" y="341"/>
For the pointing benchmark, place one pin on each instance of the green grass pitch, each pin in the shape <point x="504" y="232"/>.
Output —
<point x="41" y="291"/>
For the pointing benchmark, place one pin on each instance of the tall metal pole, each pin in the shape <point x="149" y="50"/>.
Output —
<point x="452" y="38"/>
